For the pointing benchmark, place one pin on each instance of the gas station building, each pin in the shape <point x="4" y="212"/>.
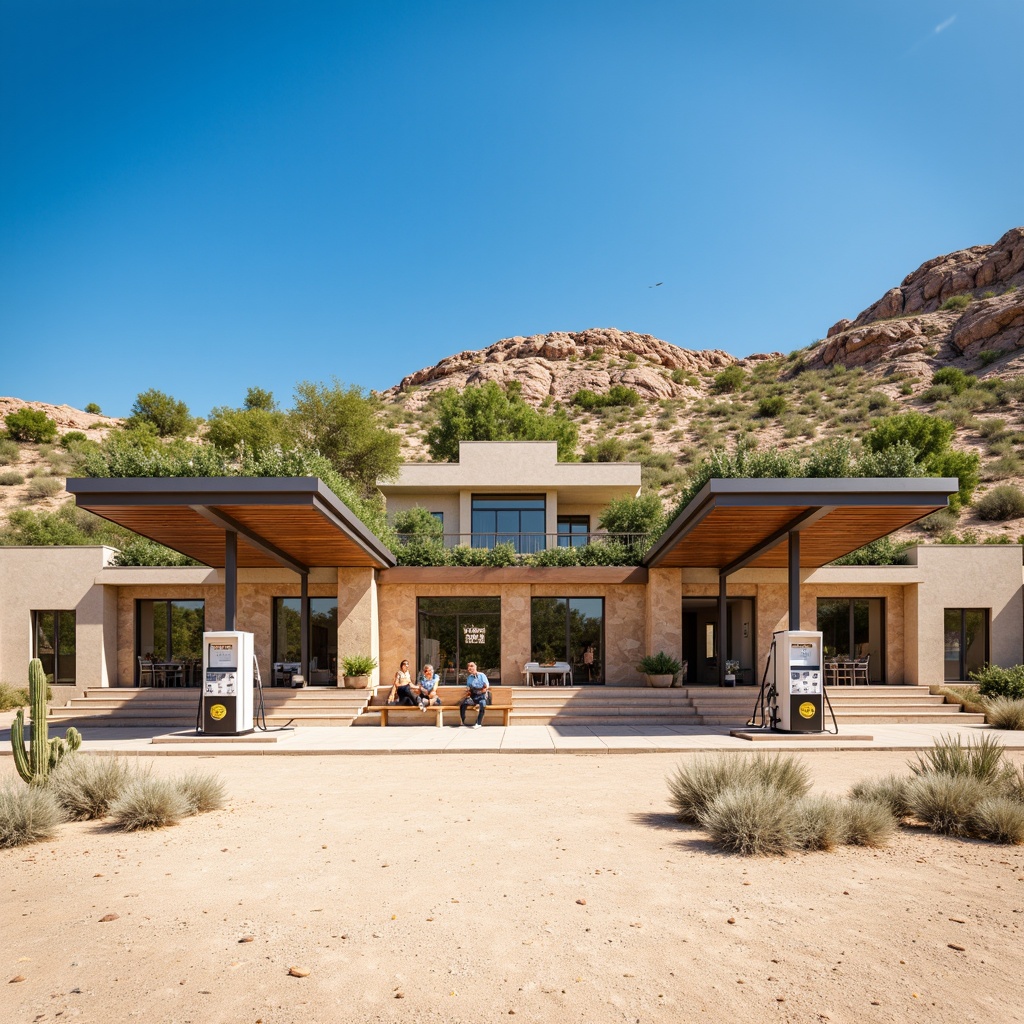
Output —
<point x="286" y="560"/>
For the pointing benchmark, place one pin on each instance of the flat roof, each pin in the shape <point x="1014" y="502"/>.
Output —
<point x="739" y="523"/>
<point x="298" y="522"/>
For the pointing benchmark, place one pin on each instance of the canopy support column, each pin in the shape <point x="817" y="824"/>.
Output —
<point x="304" y="625"/>
<point x="723" y="626"/>
<point x="794" y="579"/>
<point x="230" y="578"/>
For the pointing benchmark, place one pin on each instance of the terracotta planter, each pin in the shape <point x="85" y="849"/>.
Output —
<point x="357" y="682"/>
<point x="660" y="681"/>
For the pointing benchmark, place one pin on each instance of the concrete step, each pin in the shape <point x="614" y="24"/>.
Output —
<point x="595" y="720"/>
<point x="893" y="718"/>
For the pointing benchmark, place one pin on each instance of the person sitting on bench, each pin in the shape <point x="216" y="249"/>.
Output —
<point x="476" y="693"/>
<point x="428" y="688"/>
<point x="404" y="691"/>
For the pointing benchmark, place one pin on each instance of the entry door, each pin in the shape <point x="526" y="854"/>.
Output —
<point x="965" y="635"/>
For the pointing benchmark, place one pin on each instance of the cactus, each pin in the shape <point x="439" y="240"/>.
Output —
<point x="43" y="753"/>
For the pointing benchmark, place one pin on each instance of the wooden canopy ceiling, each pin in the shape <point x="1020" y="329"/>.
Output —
<point x="735" y="524"/>
<point x="292" y="521"/>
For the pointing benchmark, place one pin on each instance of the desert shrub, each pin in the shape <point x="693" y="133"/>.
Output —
<point x="956" y="302"/>
<point x="782" y="773"/>
<point x="732" y="378"/>
<point x="32" y="425"/>
<point x="44" y="487"/>
<point x="981" y="759"/>
<point x="999" y="819"/>
<point x="10" y="478"/>
<point x="611" y="449"/>
<point x="821" y="823"/>
<point x="9" y="451"/>
<point x="956" y="380"/>
<point x="939" y="522"/>
<point x="1005" y="713"/>
<point x="1003" y="502"/>
<point x="771" y="406"/>
<point x="869" y="823"/>
<point x="994" y="681"/>
<point x="85" y="787"/>
<point x="988" y="355"/>
<point x="167" y="415"/>
<point x="947" y="803"/>
<point x="696" y="784"/>
<point x="28" y="814"/>
<point x="884" y="551"/>
<point x="751" y="820"/>
<point x="12" y="697"/>
<point x="149" y="802"/>
<point x="204" y="791"/>
<point x="94" y="409"/>
<point x="71" y="438"/>
<point x="889" y="790"/>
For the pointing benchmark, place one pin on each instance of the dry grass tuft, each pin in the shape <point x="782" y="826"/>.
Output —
<point x="149" y="802"/>
<point x="28" y="814"/>
<point x="869" y="823"/>
<point x="821" y="823"/>
<point x="204" y="791"/>
<point x="751" y="819"/>
<point x="1005" y="713"/>
<point x="86" y="786"/>
<point x="999" y="819"/>
<point x="947" y="803"/>
<point x="890" y="790"/>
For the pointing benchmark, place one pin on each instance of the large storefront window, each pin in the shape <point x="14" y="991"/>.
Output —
<point x="965" y="642"/>
<point x="323" y="640"/>
<point x="169" y="633"/>
<point x="453" y="631"/>
<point x="569" y="629"/>
<point x="516" y="519"/>
<point x="53" y="643"/>
<point x="854" y="629"/>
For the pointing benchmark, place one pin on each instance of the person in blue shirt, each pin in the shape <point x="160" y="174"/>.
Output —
<point x="428" y="688"/>
<point x="476" y="693"/>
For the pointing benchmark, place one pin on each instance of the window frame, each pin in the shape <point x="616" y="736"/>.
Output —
<point x="58" y="630"/>
<point x="567" y="600"/>
<point x="508" y="503"/>
<point x="571" y="538"/>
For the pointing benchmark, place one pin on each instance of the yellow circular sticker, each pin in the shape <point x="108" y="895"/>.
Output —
<point x="218" y="711"/>
<point x="807" y="709"/>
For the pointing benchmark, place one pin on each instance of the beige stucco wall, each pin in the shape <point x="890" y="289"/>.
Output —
<point x="967" y="576"/>
<point x="624" y="612"/>
<point x="57" y="579"/>
<point x="358" y="616"/>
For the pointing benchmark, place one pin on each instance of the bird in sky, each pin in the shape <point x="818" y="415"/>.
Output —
<point x="658" y="285"/>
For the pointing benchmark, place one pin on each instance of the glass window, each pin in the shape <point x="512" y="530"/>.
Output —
<point x="453" y="631"/>
<point x="171" y="631"/>
<point x="517" y="519"/>
<point x="286" y="649"/>
<point x="569" y="629"/>
<point x="573" y="531"/>
<point x="854" y="628"/>
<point x="53" y="636"/>
<point x="965" y="642"/>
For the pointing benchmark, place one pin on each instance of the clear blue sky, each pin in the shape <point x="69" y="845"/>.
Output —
<point x="202" y="195"/>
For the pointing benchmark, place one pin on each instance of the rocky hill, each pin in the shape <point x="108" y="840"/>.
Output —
<point x="962" y="310"/>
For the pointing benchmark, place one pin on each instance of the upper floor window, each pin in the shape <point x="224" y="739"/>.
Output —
<point x="53" y="643"/>
<point x="517" y="519"/>
<point x="573" y="531"/>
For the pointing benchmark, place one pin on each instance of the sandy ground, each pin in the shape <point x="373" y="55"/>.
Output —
<point x="545" y="887"/>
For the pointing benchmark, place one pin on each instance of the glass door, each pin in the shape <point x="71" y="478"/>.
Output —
<point x="454" y="631"/>
<point x="965" y="642"/>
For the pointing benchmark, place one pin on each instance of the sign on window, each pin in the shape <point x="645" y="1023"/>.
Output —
<point x="474" y="634"/>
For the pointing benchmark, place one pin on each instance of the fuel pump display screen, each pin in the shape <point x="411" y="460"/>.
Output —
<point x="222" y="656"/>
<point x="803" y="654"/>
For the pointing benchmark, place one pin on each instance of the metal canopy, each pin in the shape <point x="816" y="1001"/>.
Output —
<point x="735" y="524"/>
<point x="297" y="522"/>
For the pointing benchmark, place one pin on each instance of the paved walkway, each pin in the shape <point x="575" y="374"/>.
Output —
<point x="523" y="739"/>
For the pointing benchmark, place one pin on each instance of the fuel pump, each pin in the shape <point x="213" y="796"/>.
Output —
<point x="227" y="700"/>
<point x="799" y="681"/>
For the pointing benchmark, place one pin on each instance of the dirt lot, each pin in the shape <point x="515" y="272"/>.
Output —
<point x="476" y="888"/>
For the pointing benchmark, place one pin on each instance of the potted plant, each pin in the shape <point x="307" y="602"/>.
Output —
<point x="659" y="668"/>
<point x="731" y="668"/>
<point x="357" y="669"/>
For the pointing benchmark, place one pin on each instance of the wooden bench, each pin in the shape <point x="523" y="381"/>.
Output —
<point x="451" y="697"/>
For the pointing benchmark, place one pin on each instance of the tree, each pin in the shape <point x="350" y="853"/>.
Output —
<point x="30" y="425"/>
<point x="342" y="424"/>
<point x="643" y="515"/>
<point x="491" y="413"/>
<point x="167" y="414"/>
<point x="258" y="425"/>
